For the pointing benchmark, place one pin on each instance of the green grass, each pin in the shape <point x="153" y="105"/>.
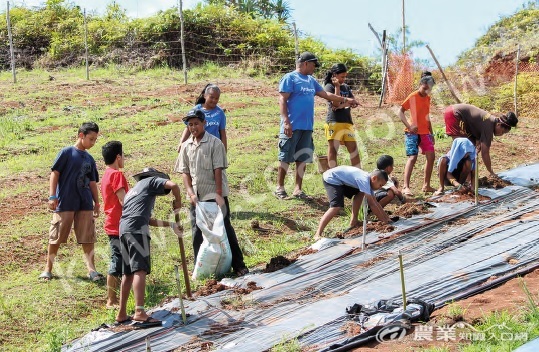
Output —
<point x="41" y="116"/>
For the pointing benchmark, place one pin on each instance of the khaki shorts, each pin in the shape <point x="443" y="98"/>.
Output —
<point x="84" y="225"/>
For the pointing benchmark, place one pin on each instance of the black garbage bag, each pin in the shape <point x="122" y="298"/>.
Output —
<point x="383" y="321"/>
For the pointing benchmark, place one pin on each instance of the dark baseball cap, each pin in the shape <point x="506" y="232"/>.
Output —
<point x="195" y="113"/>
<point x="309" y="57"/>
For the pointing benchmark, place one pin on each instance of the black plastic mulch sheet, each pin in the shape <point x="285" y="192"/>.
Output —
<point x="456" y="254"/>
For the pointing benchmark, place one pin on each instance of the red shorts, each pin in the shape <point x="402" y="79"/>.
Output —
<point x="453" y="126"/>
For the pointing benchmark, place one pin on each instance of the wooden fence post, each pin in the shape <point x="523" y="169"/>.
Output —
<point x="11" y="50"/>
<point x="296" y="50"/>
<point x="86" y="46"/>
<point x="443" y="75"/>
<point x="182" y="41"/>
<point x="516" y="75"/>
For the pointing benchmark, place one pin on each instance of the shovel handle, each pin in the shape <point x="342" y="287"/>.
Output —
<point x="184" y="261"/>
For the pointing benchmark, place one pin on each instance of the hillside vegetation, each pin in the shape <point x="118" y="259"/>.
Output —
<point x="52" y="36"/>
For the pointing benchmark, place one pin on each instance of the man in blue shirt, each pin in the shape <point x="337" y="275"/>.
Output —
<point x="296" y="102"/>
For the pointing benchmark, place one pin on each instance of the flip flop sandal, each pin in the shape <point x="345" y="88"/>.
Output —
<point x="301" y="195"/>
<point x="242" y="271"/>
<point x="45" y="276"/>
<point x="95" y="276"/>
<point x="127" y="321"/>
<point x="281" y="194"/>
<point x="148" y="323"/>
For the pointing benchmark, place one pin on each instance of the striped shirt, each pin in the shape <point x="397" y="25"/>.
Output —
<point x="199" y="160"/>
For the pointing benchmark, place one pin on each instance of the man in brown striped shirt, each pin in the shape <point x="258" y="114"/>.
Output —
<point x="203" y="162"/>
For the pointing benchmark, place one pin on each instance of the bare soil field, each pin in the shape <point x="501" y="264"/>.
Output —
<point x="518" y="147"/>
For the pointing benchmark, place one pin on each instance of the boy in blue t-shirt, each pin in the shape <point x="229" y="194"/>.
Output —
<point x="74" y="199"/>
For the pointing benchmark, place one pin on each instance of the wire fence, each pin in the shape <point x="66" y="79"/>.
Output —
<point x="504" y="83"/>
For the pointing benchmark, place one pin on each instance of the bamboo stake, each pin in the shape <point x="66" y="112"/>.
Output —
<point x="364" y="206"/>
<point x="402" y="282"/>
<point x="476" y="178"/>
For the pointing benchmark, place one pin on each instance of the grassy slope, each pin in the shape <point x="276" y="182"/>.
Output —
<point x="39" y="116"/>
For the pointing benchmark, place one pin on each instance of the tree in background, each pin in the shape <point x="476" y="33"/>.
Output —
<point x="278" y="9"/>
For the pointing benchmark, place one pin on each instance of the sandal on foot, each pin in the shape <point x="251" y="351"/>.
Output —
<point x="242" y="271"/>
<point x="95" y="276"/>
<point x="45" y="276"/>
<point x="281" y="194"/>
<point x="438" y="193"/>
<point x="148" y="323"/>
<point x="301" y="195"/>
<point x="126" y="321"/>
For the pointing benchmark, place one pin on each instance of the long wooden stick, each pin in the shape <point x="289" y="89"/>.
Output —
<point x="443" y="75"/>
<point x="184" y="261"/>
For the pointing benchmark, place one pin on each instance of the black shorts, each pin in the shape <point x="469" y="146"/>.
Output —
<point x="135" y="253"/>
<point x="456" y="173"/>
<point x="380" y="194"/>
<point x="336" y="194"/>
<point x="115" y="268"/>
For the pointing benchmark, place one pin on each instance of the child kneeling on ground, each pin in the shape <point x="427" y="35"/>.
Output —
<point x="390" y="190"/>
<point x="457" y="166"/>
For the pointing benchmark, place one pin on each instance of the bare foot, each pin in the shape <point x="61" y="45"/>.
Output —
<point x="407" y="192"/>
<point x="428" y="189"/>
<point x="438" y="192"/>
<point x="113" y="305"/>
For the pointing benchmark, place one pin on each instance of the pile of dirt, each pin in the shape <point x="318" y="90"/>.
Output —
<point x="277" y="263"/>
<point x="251" y="286"/>
<point x="196" y="344"/>
<point x="304" y="251"/>
<point x="211" y="287"/>
<point x="217" y="330"/>
<point x="374" y="226"/>
<point x="408" y="209"/>
<point x="493" y="182"/>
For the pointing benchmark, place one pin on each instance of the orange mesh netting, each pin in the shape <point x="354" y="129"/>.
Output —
<point x="400" y="75"/>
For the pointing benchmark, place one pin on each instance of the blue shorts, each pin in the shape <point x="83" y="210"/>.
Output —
<point x="299" y="147"/>
<point x="414" y="142"/>
<point x="115" y="268"/>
